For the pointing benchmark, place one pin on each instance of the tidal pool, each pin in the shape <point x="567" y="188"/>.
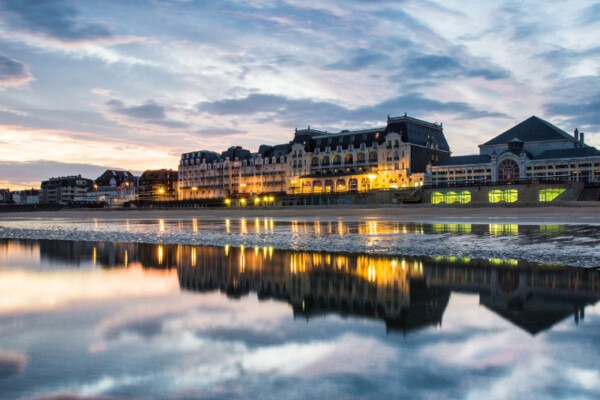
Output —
<point x="114" y="320"/>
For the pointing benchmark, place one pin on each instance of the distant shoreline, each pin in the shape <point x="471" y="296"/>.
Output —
<point x="559" y="213"/>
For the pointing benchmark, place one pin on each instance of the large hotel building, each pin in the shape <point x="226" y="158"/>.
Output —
<point x="317" y="162"/>
<point x="406" y="153"/>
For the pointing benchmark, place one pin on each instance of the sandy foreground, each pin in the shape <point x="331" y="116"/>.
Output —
<point x="566" y="213"/>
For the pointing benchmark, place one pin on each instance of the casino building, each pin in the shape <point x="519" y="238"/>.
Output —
<point x="394" y="156"/>
<point x="534" y="151"/>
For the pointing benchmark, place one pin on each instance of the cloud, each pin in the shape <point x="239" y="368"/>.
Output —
<point x="432" y="65"/>
<point x="214" y="131"/>
<point x="149" y="112"/>
<point x="101" y="91"/>
<point x="358" y="60"/>
<point x="591" y="14"/>
<point x="299" y="112"/>
<point x="13" y="72"/>
<point x="56" y="20"/>
<point x="577" y="103"/>
<point x="11" y="363"/>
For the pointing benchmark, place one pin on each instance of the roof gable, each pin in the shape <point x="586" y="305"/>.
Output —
<point x="533" y="129"/>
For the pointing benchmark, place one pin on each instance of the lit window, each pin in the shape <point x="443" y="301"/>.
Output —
<point x="463" y="197"/>
<point x="507" y="196"/>
<point x="550" y="194"/>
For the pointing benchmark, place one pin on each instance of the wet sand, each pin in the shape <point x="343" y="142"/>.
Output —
<point x="565" y="213"/>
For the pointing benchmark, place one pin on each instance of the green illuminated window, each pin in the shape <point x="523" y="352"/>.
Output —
<point x="451" y="197"/>
<point x="550" y="194"/>
<point x="507" y="196"/>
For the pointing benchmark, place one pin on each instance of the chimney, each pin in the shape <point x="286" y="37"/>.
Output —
<point x="576" y="134"/>
<point x="581" y="138"/>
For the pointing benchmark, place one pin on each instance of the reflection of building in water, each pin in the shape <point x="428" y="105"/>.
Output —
<point x="392" y="289"/>
<point x="107" y="254"/>
<point x="532" y="297"/>
<point x="406" y="292"/>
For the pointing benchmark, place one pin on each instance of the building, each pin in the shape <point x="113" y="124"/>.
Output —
<point x="114" y="187"/>
<point x="64" y="190"/>
<point x="235" y="172"/>
<point x="389" y="157"/>
<point x="158" y="185"/>
<point x="5" y="196"/>
<point x="113" y="180"/>
<point x="533" y="151"/>
<point x="30" y="196"/>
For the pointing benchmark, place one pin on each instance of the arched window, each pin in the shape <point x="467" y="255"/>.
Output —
<point x="508" y="170"/>
<point x="353" y="184"/>
<point x="373" y="156"/>
<point x="337" y="160"/>
<point x="360" y="158"/>
<point x="314" y="162"/>
<point x="317" y="186"/>
<point x="328" y="186"/>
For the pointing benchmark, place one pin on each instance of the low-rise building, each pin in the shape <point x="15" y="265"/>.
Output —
<point x="158" y="185"/>
<point x="30" y="196"/>
<point x="533" y="149"/>
<point x="64" y="190"/>
<point x="5" y="196"/>
<point x="114" y="187"/>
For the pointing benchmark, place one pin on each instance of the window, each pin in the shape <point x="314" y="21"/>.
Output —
<point x="507" y="196"/>
<point x="463" y="197"/>
<point x="508" y="170"/>
<point x="546" y="195"/>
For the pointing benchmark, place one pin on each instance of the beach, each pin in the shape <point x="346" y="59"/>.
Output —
<point x="586" y="213"/>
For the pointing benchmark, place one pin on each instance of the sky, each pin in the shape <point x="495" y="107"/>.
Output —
<point x="86" y="86"/>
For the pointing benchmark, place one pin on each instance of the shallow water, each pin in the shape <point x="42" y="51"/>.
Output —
<point x="576" y="245"/>
<point x="136" y="320"/>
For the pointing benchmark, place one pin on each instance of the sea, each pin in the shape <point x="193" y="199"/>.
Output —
<point x="296" y="308"/>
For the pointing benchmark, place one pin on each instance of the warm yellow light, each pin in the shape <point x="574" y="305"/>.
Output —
<point x="161" y="191"/>
<point x="256" y="200"/>
<point x="372" y="176"/>
<point x="243" y="201"/>
<point x="227" y="201"/>
<point x="271" y="198"/>
<point x="194" y="188"/>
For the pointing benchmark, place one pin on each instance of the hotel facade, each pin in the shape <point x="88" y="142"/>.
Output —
<point x="394" y="156"/>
